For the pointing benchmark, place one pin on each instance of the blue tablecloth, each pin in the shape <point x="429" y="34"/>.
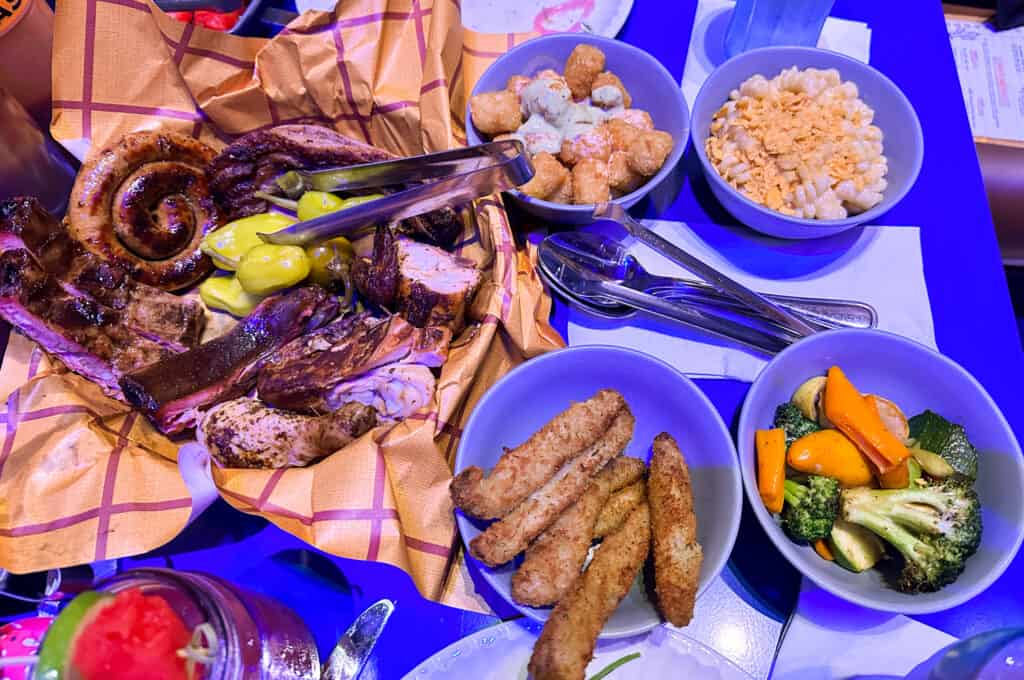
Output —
<point x="973" y="320"/>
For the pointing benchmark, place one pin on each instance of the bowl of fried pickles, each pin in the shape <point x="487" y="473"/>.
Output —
<point x="593" y="501"/>
<point x="601" y="121"/>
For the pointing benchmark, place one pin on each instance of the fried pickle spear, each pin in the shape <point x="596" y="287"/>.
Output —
<point x="618" y="507"/>
<point x="554" y="560"/>
<point x="566" y="644"/>
<point x="677" y="554"/>
<point x="524" y="469"/>
<point x="510" y="535"/>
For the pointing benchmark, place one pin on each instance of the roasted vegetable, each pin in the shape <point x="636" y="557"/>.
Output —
<point x="855" y="548"/>
<point x="807" y="397"/>
<point x="789" y="418"/>
<point x="891" y="415"/>
<point x="898" y="476"/>
<point x="229" y="244"/>
<point x="226" y="293"/>
<point x="771" y="467"/>
<point x="829" y="453"/>
<point x="851" y="414"/>
<point x="934" y="433"/>
<point x="914" y="470"/>
<point x="268" y="268"/>
<point x="932" y="463"/>
<point x="935" y="528"/>
<point x="824" y="551"/>
<point x="810" y="508"/>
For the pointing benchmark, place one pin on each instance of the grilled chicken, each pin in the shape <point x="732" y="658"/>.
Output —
<point x="395" y="391"/>
<point x="425" y="284"/>
<point x="308" y="373"/>
<point x="245" y="433"/>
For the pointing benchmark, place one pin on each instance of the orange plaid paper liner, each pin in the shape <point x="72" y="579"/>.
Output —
<point x="393" y="73"/>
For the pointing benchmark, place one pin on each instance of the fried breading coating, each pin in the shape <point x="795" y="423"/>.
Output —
<point x="510" y="535"/>
<point x="566" y="644"/>
<point x="554" y="560"/>
<point x="584" y="64"/>
<point x="621" y="177"/>
<point x="590" y="182"/>
<point x="597" y="143"/>
<point x="609" y="79"/>
<point x="649" y="152"/>
<point x="524" y="469"/>
<point x="548" y="176"/>
<point x="638" y="118"/>
<point x="516" y="84"/>
<point x="564" y="193"/>
<point x="623" y="135"/>
<point x="622" y="502"/>
<point x="496" y="112"/>
<point x="677" y="554"/>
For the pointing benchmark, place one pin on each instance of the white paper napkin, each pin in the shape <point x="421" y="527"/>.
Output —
<point x="831" y="638"/>
<point x="877" y="265"/>
<point x="707" y="41"/>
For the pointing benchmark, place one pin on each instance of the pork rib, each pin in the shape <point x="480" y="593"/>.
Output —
<point x="245" y="433"/>
<point x="90" y="338"/>
<point x="425" y="284"/>
<point x="151" y="312"/>
<point x="172" y="391"/>
<point x="304" y="374"/>
<point x="255" y="160"/>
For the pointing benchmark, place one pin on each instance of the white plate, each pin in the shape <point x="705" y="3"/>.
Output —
<point x="502" y="653"/>
<point x="603" y="17"/>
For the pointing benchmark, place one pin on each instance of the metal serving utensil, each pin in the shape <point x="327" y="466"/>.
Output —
<point x="448" y="178"/>
<point x="582" y="286"/>
<point x="721" y="282"/>
<point x="612" y="259"/>
<point x="353" y="650"/>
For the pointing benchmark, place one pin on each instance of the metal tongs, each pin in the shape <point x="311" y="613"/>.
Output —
<point x="439" y="179"/>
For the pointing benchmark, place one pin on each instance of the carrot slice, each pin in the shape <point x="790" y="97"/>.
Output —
<point x="771" y="467"/>
<point x="821" y="547"/>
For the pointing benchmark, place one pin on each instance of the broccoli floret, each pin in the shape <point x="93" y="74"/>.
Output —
<point x="810" y="509"/>
<point x="935" y="528"/>
<point x="936" y="434"/>
<point x="789" y="418"/>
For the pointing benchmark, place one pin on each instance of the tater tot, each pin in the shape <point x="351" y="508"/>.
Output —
<point x="597" y="143"/>
<point x="622" y="178"/>
<point x="623" y="135"/>
<point x="551" y="74"/>
<point x="516" y="84"/>
<point x="606" y="79"/>
<point x="548" y="176"/>
<point x="638" y="118"/>
<point x="496" y="112"/>
<point x="650" y="151"/>
<point x="590" y="182"/>
<point x="564" y="193"/>
<point x="581" y="68"/>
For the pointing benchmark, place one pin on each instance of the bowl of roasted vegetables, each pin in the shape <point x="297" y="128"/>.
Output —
<point x="883" y="471"/>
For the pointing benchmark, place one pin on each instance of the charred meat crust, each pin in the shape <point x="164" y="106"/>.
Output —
<point x="255" y="160"/>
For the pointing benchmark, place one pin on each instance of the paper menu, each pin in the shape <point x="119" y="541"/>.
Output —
<point x="991" y="69"/>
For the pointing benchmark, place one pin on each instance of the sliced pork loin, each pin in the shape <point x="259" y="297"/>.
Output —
<point x="425" y="284"/>
<point x="305" y="374"/>
<point x="163" y="317"/>
<point x="90" y="338"/>
<point x="254" y="161"/>
<point x="173" y="391"/>
<point x="245" y="433"/>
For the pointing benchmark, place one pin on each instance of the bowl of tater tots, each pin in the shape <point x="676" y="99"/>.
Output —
<point x="600" y="120"/>
<point x="799" y="142"/>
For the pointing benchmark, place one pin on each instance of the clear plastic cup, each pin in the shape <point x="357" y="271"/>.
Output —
<point x="769" y="23"/>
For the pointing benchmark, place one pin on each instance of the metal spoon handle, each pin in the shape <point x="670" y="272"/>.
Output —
<point x="720" y="281"/>
<point x="761" y="341"/>
<point x="829" y="313"/>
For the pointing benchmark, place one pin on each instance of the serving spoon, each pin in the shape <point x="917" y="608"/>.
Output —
<point x="611" y="259"/>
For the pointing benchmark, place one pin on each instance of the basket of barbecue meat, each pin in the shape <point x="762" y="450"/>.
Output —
<point x="326" y="382"/>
